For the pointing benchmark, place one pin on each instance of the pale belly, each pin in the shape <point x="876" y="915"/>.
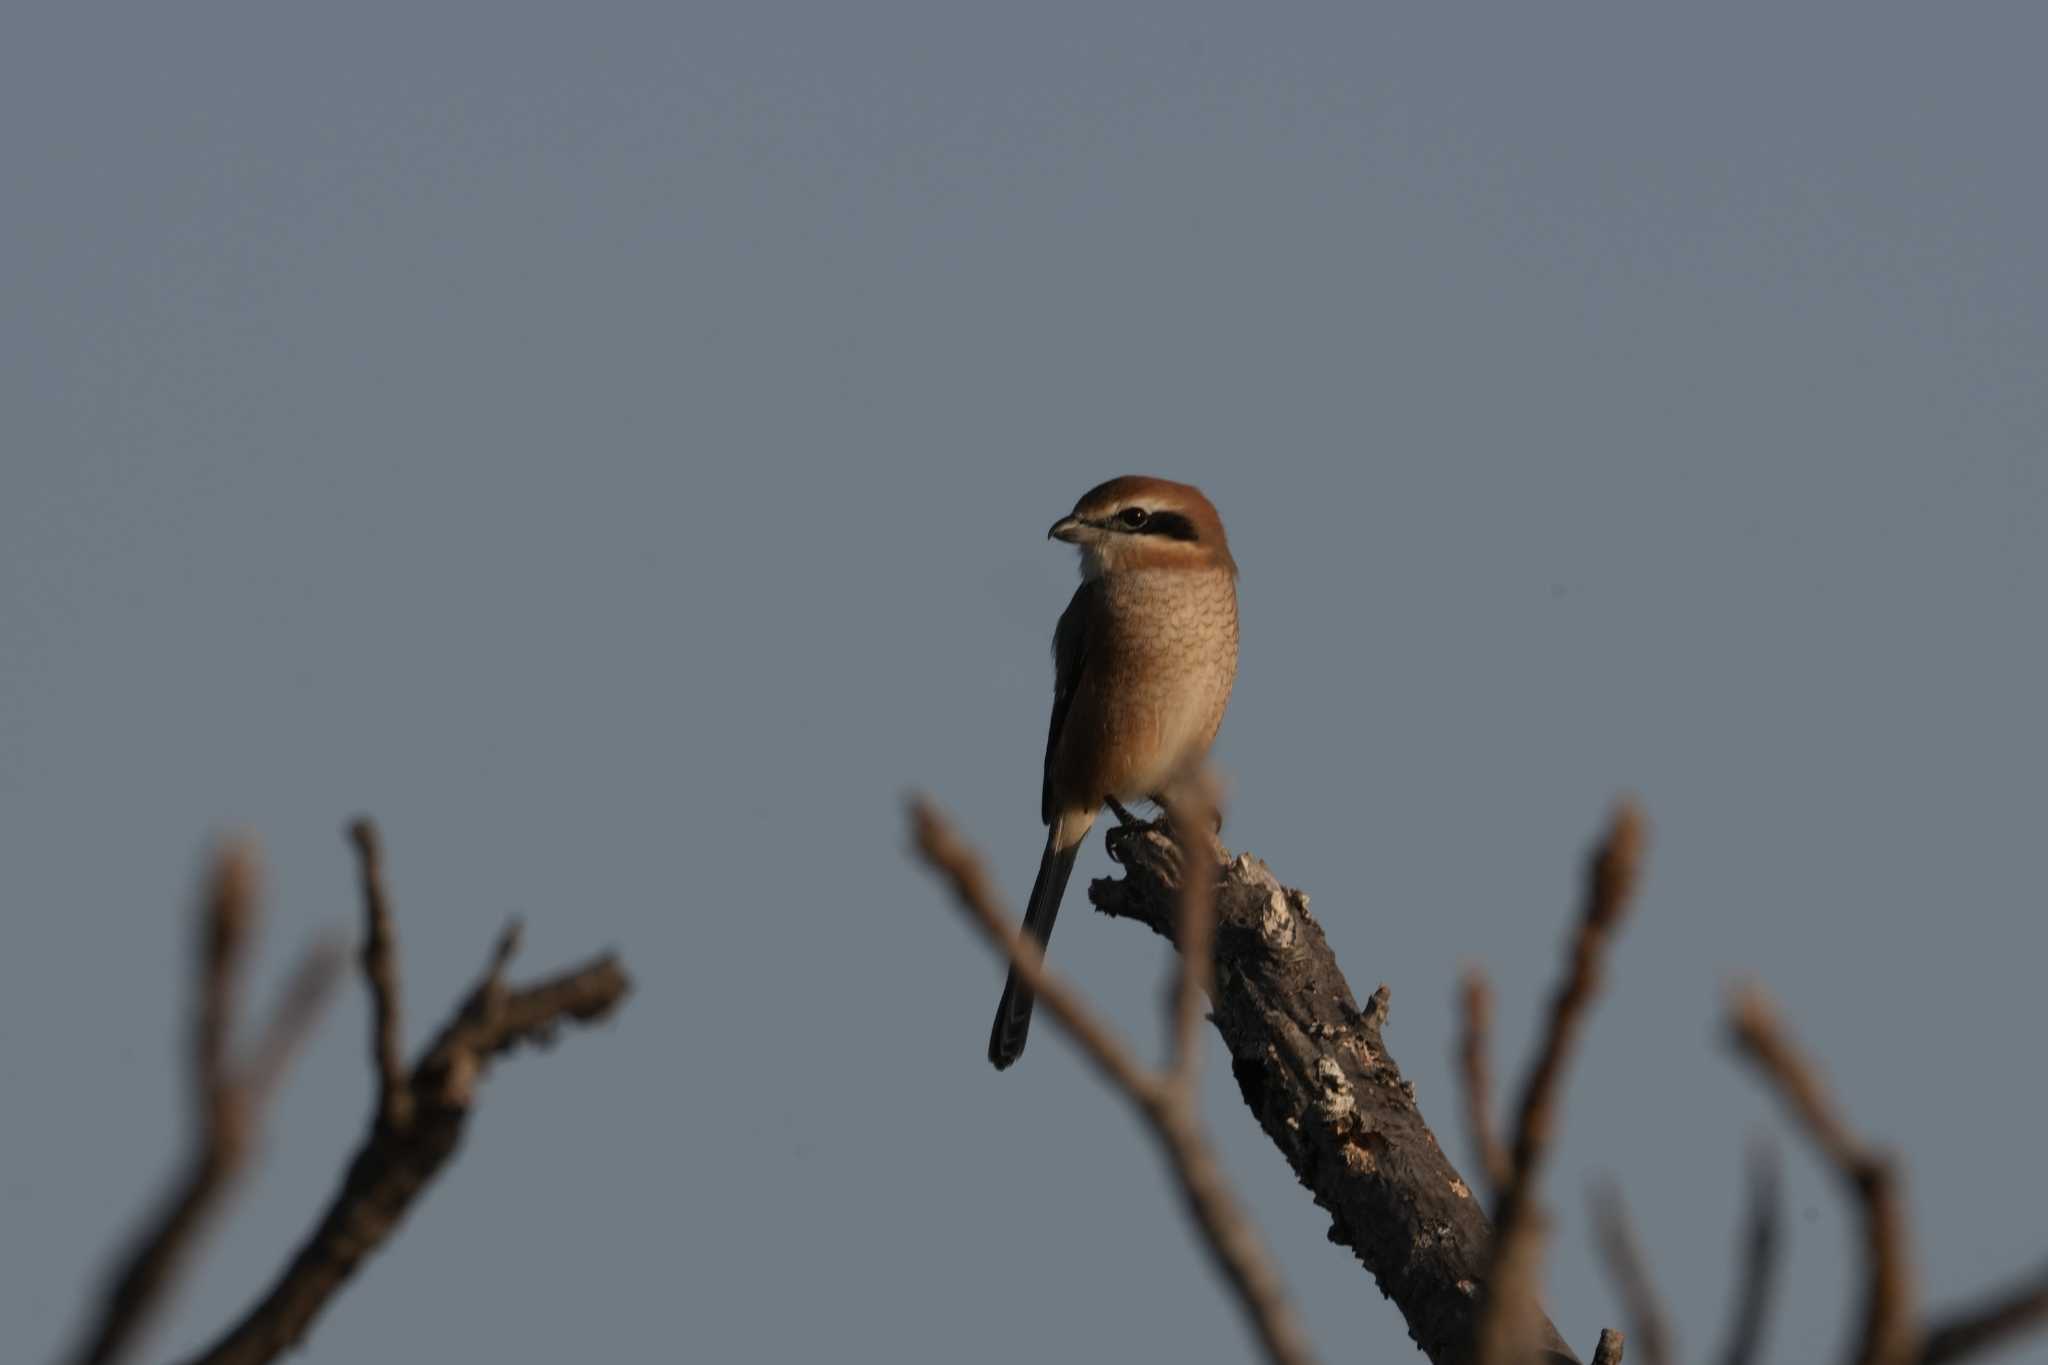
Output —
<point x="1166" y="669"/>
<point x="1177" y="731"/>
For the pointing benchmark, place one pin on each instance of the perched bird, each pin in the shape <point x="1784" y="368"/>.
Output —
<point x="1143" y="661"/>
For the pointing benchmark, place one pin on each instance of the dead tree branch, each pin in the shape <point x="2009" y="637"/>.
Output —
<point x="1514" y="1282"/>
<point x="229" y="1098"/>
<point x="1164" y="1100"/>
<point x="1762" y="1243"/>
<point x="380" y="974"/>
<point x="1475" y="997"/>
<point x="1312" y="1066"/>
<point x="1890" y="1332"/>
<point x="420" y="1113"/>
<point x="1196" y="938"/>
<point x="1649" y="1326"/>
<point x="1993" y="1322"/>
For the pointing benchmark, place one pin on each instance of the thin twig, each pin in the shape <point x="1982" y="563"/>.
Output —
<point x="1192" y="821"/>
<point x="1608" y="1351"/>
<point x="944" y="852"/>
<point x="1760" y="1036"/>
<point x="227" y="922"/>
<point x="1761" y="1245"/>
<point x="380" y="972"/>
<point x="228" y="1098"/>
<point x="1612" y="873"/>
<point x="1506" y="1328"/>
<point x="1890" y="1333"/>
<point x="1475" y="995"/>
<point x="1649" y="1326"/>
<point x="1991" y="1323"/>
<point x="1168" y="1108"/>
<point x="298" y="1009"/>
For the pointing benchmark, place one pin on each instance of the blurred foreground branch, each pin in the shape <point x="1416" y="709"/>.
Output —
<point x="1514" y="1279"/>
<point x="416" y="1127"/>
<point x="1166" y="1100"/>
<point x="228" y="1100"/>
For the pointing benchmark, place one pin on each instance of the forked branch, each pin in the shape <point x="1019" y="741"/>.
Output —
<point x="420" y="1114"/>
<point x="228" y="1101"/>
<point x="416" y="1125"/>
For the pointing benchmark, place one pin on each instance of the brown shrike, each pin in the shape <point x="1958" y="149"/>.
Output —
<point x="1143" y="661"/>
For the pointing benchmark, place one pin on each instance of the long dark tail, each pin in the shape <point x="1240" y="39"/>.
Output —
<point x="1013" y="1015"/>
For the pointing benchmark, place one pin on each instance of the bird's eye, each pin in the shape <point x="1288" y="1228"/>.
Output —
<point x="1132" y="518"/>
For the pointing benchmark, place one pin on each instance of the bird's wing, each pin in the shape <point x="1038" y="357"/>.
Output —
<point x="1070" y="648"/>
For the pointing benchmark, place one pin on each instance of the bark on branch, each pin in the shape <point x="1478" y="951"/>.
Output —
<point x="1166" y="1100"/>
<point x="1312" y="1065"/>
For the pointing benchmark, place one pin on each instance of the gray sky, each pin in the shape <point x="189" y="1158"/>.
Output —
<point x="614" y="447"/>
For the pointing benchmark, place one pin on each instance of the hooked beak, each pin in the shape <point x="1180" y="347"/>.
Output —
<point x="1067" y="528"/>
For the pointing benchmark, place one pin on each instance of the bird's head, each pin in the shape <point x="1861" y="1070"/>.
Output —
<point x="1138" y="522"/>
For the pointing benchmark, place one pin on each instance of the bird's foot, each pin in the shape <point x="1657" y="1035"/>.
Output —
<point x="1214" y="811"/>
<point x="1116" y="838"/>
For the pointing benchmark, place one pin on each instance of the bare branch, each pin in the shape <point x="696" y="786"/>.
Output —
<point x="1311" y="1061"/>
<point x="1192" y="821"/>
<point x="1627" y="1265"/>
<point x="1608" y="1352"/>
<point x="1760" y="1250"/>
<point x="411" y="1137"/>
<point x="1611" y="876"/>
<point x="1890" y="1333"/>
<point x="945" y="853"/>
<point x="1475" y="995"/>
<point x="292" y="1019"/>
<point x="1233" y="1242"/>
<point x="1314" y="1070"/>
<point x="1993" y="1322"/>
<point x="1506" y="1328"/>
<point x="227" y="1099"/>
<point x="227" y="922"/>
<point x="1612" y="873"/>
<point x="1165" y="1102"/>
<point x="380" y="972"/>
<point x="1760" y="1036"/>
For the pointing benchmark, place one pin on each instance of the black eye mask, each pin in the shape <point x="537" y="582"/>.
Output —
<point x="1171" y="525"/>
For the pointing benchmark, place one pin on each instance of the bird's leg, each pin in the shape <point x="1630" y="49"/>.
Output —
<point x="1127" y="824"/>
<point x="1215" y="813"/>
